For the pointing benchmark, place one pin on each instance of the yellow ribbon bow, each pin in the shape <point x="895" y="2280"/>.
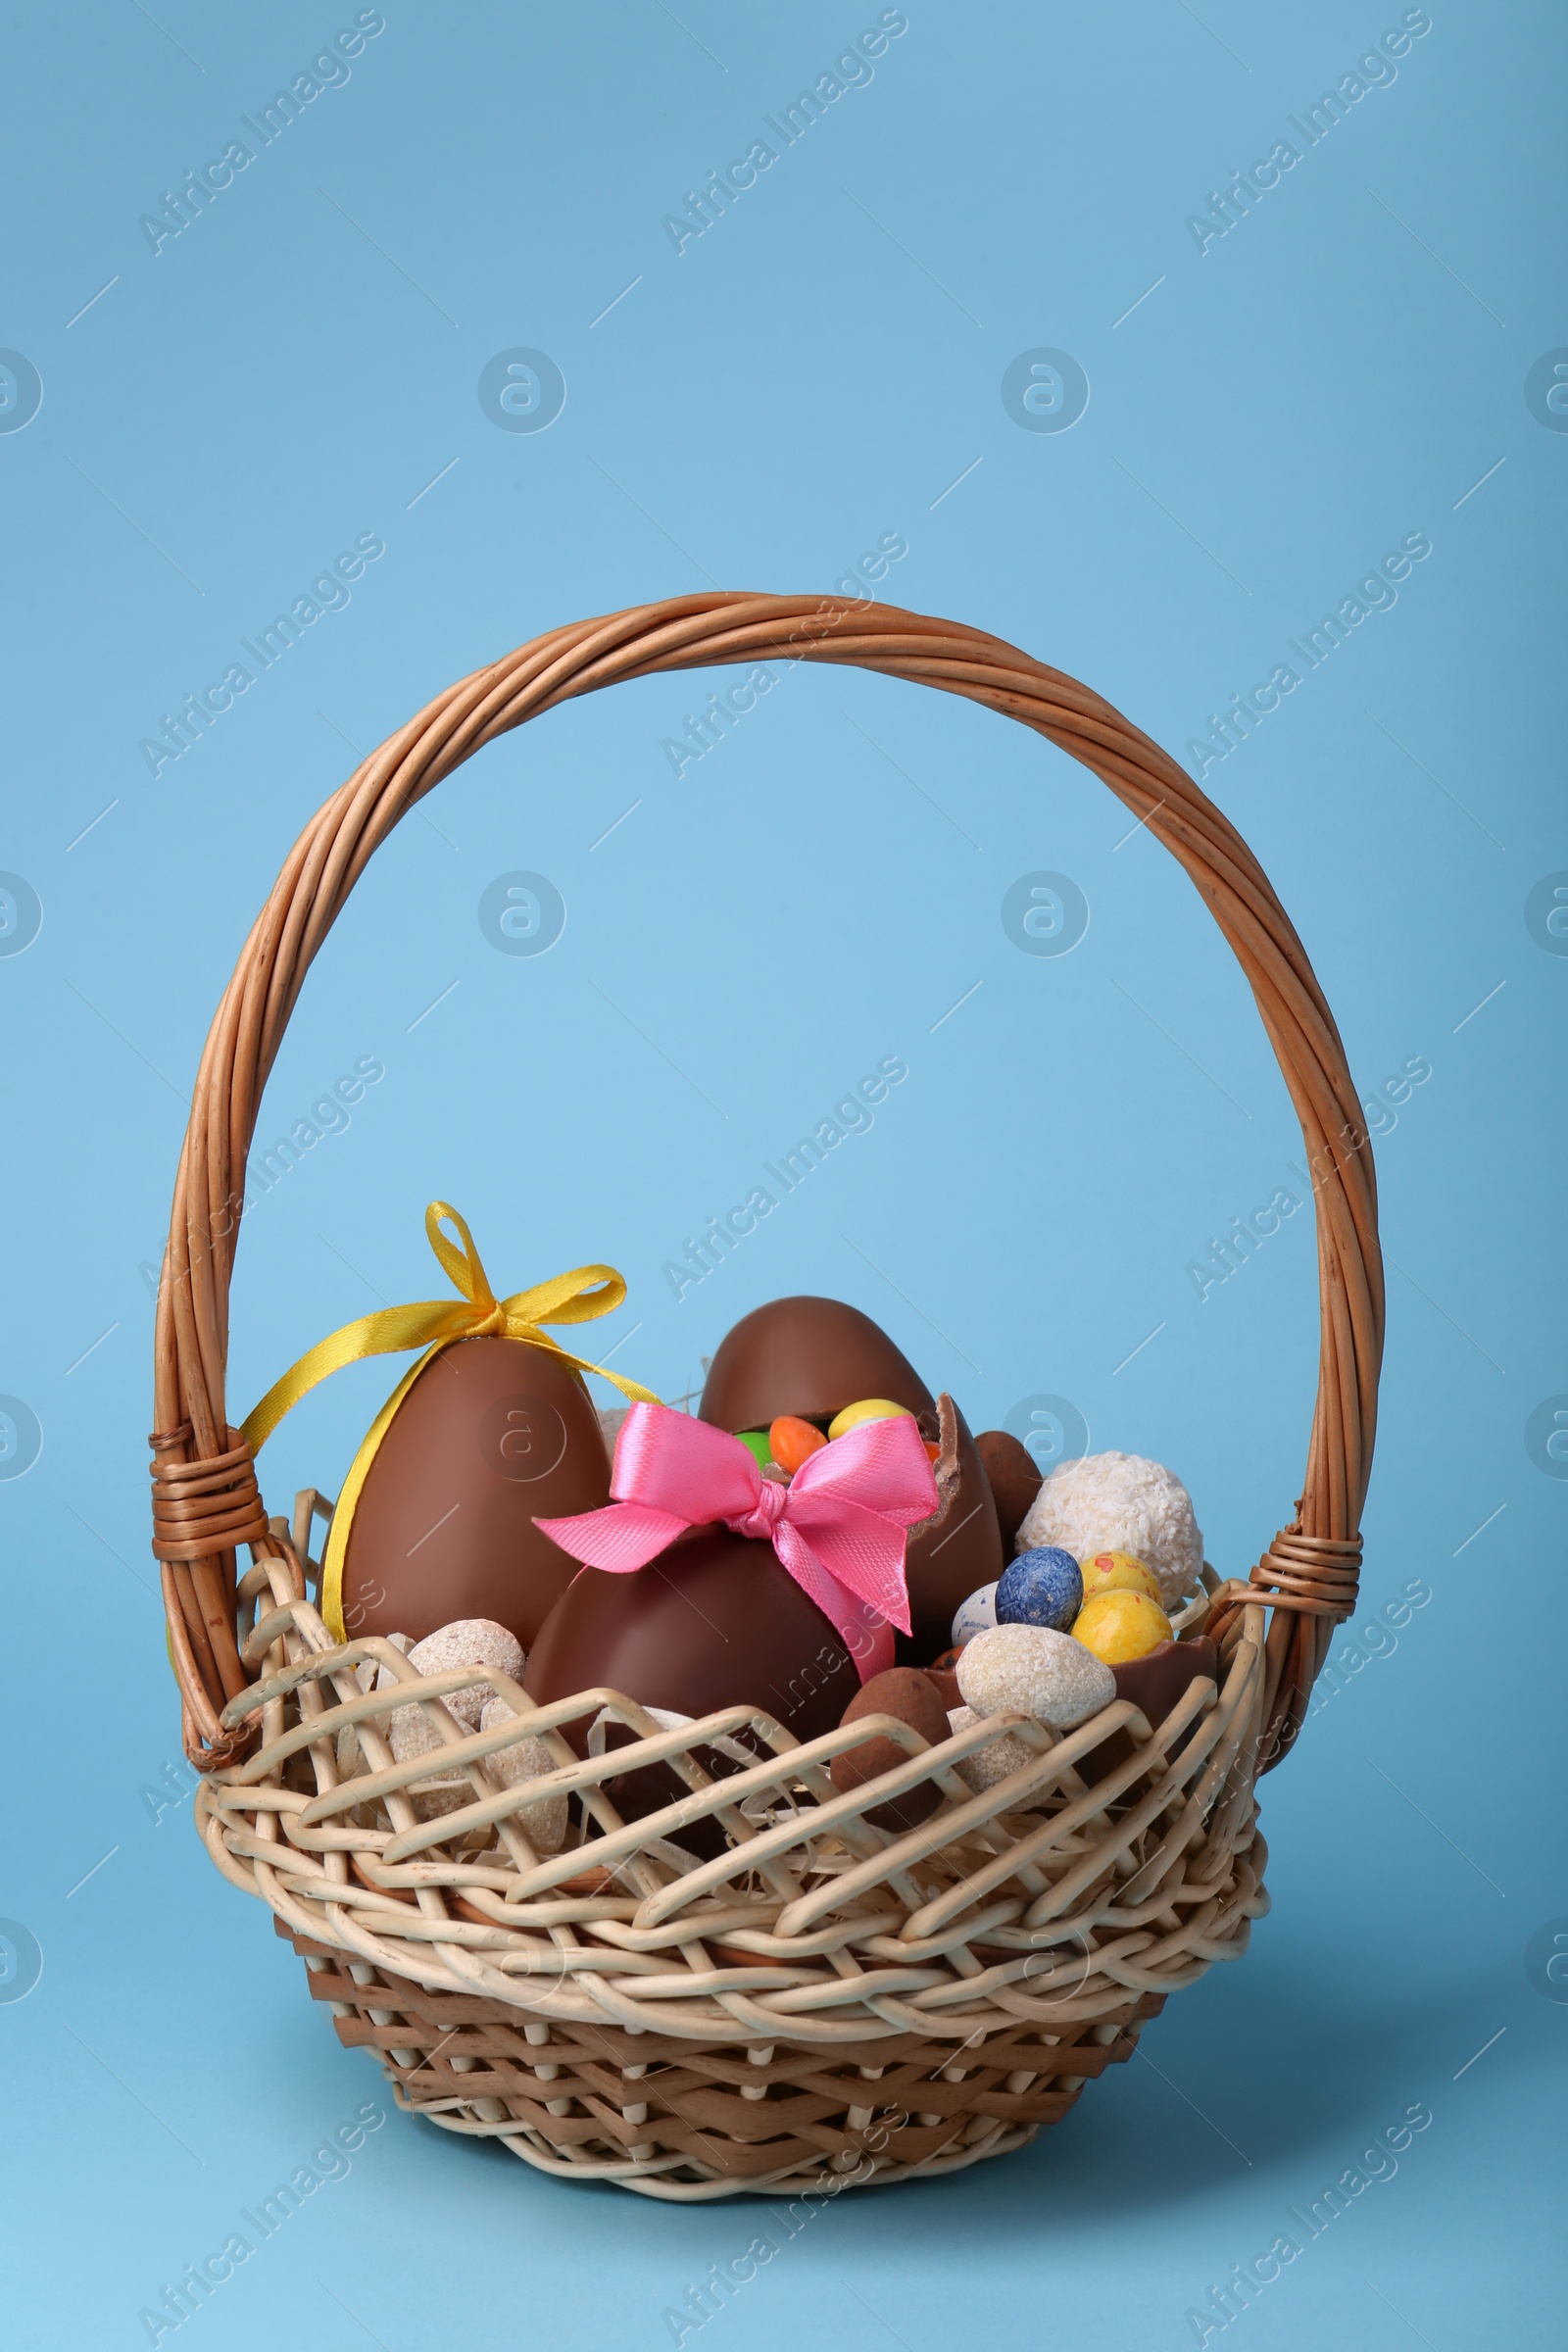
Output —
<point x="580" y="1297"/>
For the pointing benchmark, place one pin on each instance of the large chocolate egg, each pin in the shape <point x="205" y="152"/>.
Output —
<point x="809" y="1357"/>
<point x="493" y="1434"/>
<point x="813" y="1356"/>
<point x="715" y="1620"/>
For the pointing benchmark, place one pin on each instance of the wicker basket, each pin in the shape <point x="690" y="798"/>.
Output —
<point x="826" y="2003"/>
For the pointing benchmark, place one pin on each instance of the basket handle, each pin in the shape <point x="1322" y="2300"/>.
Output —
<point x="206" y="1496"/>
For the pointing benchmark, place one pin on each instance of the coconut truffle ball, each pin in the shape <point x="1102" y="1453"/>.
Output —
<point x="469" y="1641"/>
<point x="1006" y="1754"/>
<point x="544" y="1824"/>
<point x="466" y="1641"/>
<point x="1119" y="1502"/>
<point x="1036" y="1671"/>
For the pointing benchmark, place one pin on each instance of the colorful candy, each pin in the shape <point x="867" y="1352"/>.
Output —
<point x="1121" y="1625"/>
<point x="1041" y="1586"/>
<point x="870" y="1408"/>
<point x="1120" y="1572"/>
<point x="760" y="1442"/>
<point x="976" y="1615"/>
<point x="793" y="1442"/>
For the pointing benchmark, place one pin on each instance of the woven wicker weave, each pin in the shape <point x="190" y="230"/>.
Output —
<point x="826" y="2003"/>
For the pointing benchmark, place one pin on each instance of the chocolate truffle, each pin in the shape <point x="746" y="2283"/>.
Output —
<point x="715" y="1620"/>
<point x="914" y="1699"/>
<point x="1014" y="1477"/>
<point x="492" y="1433"/>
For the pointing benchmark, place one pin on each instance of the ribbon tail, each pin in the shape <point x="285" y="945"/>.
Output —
<point x="862" y="1626"/>
<point x="621" y="1537"/>
<point x="578" y="1296"/>
<point x="633" y="1389"/>
<point x="859" y="1549"/>
<point x="387" y="1333"/>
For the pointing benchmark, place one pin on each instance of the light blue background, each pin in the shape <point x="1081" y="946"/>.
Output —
<point x="813" y="372"/>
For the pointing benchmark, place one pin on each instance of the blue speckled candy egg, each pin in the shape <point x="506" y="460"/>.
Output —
<point x="1040" y="1588"/>
<point x="976" y="1615"/>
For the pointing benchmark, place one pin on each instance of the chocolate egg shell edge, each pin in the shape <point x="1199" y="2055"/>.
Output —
<point x="954" y="1551"/>
<point x="1155" y="1684"/>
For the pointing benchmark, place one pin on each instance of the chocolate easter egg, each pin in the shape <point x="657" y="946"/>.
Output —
<point x="713" y="1621"/>
<point x="1014" y="1477"/>
<point x="809" y="1357"/>
<point x="490" y="1434"/>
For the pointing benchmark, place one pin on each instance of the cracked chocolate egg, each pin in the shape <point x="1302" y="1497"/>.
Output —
<point x="809" y="1359"/>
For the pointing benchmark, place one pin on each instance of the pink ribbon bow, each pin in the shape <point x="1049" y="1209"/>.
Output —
<point x="838" y="1527"/>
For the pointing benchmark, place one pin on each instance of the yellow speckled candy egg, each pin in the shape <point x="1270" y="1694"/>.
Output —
<point x="870" y="1408"/>
<point x="1120" y="1572"/>
<point x="1121" y="1625"/>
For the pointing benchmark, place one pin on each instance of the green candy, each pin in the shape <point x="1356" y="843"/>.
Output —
<point x="758" y="1441"/>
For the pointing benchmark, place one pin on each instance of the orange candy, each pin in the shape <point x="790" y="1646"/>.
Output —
<point x="793" y="1442"/>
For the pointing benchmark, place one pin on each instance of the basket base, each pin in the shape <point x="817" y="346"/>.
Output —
<point x="690" y="2121"/>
